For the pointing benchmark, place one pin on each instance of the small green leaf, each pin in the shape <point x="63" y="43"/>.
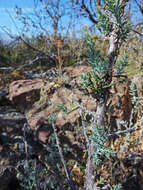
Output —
<point x="52" y="118"/>
<point x="63" y="108"/>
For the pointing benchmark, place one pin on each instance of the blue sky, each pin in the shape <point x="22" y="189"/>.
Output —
<point x="27" y="5"/>
<point x="8" y="6"/>
<point x="13" y="3"/>
<point x="5" y="19"/>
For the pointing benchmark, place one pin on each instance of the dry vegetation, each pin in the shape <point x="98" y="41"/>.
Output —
<point x="118" y="156"/>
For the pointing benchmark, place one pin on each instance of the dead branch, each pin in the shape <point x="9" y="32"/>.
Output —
<point x="70" y="181"/>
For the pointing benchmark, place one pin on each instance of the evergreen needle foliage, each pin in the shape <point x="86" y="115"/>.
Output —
<point x="96" y="79"/>
<point x="99" y="138"/>
<point x="117" y="187"/>
<point x="110" y="15"/>
<point x="63" y="108"/>
<point x="135" y="98"/>
<point x="122" y="64"/>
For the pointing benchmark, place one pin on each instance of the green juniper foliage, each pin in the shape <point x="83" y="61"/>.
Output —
<point x="66" y="110"/>
<point x="29" y="176"/>
<point x="96" y="79"/>
<point x="99" y="138"/>
<point x="122" y="64"/>
<point x="109" y="19"/>
<point x="110" y="15"/>
<point x="133" y="92"/>
<point x="117" y="187"/>
<point x="63" y="108"/>
<point x="52" y="118"/>
<point x="113" y="24"/>
<point x="52" y="150"/>
<point x="103" y="23"/>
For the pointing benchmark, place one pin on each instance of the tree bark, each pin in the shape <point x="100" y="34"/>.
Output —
<point x="90" y="167"/>
<point x="113" y="51"/>
<point x="101" y="109"/>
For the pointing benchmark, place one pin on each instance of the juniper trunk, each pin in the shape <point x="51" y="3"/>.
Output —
<point x="90" y="168"/>
<point x="101" y="109"/>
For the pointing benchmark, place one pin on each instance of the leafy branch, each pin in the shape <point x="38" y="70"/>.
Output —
<point x="99" y="138"/>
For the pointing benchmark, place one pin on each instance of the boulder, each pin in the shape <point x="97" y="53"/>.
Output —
<point x="11" y="123"/>
<point x="3" y="97"/>
<point x="8" y="180"/>
<point x="39" y="99"/>
<point x="62" y="96"/>
<point x="23" y="93"/>
<point x="3" y="93"/>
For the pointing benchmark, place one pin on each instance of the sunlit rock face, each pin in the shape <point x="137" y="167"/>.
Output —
<point x="119" y="103"/>
<point x="38" y="99"/>
<point x="26" y="108"/>
<point x="23" y="93"/>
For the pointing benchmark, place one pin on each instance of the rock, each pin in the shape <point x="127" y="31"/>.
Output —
<point x="39" y="99"/>
<point x="120" y="104"/>
<point x="8" y="180"/>
<point x="23" y="93"/>
<point x="11" y="123"/>
<point x="63" y="97"/>
<point x="60" y="97"/>
<point x="73" y="73"/>
<point x="3" y="93"/>
<point x="43" y="132"/>
<point x="137" y="98"/>
<point x="3" y="97"/>
<point x="14" y="132"/>
<point x="138" y="80"/>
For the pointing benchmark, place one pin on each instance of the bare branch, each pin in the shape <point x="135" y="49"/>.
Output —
<point x="70" y="181"/>
<point x="91" y="15"/>
<point x="139" y="123"/>
<point x="122" y="132"/>
<point x="31" y="62"/>
<point x="137" y="32"/>
<point x="139" y="6"/>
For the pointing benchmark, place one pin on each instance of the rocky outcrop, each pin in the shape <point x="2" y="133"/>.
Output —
<point x="119" y="103"/>
<point x="25" y="113"/>
<point x="137" y="95"/>
<point x="11" y="123"/>
<point x="14" y="130"/>
<point x="23" y="93"/>
<point x="39" y="99"/>
<point x="8" y="180"/>
<point x="54" y="95"/>
<point x="3" y="93"/>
